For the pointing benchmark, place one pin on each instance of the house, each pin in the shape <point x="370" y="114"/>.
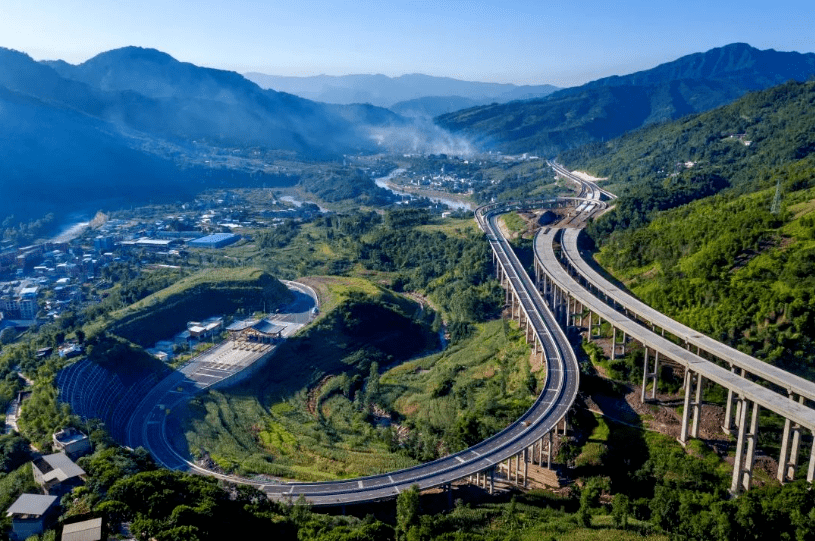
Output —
<point x="57" y="474"/>
<point x="31" y="514"/>
<point x="202" y="330"/>
<point x="72" y="442"/>
<point x="87" y="530"/>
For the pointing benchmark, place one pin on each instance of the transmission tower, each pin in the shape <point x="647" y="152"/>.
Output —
<point x="776" y="207"/>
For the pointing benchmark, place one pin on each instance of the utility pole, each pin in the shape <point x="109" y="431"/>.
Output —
<point x="776" y="207"/>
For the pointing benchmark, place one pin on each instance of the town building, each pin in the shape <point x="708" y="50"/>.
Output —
<point x="203" y="330"/>
<point x="57" y="474"/>
<point x="87" y="530"/>
<point x="31" y="514"/>
<point x="18" y="300"/>
<point x="103" y="243"/>
<point x="72" y="442"/>
<point x="216" y="240"/>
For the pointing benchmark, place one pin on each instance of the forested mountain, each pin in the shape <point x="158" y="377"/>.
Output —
<point x="738" y="146"/>
<point x="385" y="91"/>
<point x="698" y="233"/>
<point x="137" y="125"/>
<point x="433" y="106"/>
<point x="612" y="106"/>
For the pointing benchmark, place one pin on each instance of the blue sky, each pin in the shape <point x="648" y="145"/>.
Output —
<point x="516" y="41"/>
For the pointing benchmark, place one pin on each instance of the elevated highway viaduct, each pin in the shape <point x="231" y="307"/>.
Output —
<point x="576" y="291"/>
<point x="529" y="439"/>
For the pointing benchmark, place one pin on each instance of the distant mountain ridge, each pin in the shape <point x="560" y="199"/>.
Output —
<point x="192" y="102"/>
<point x="384" y="91"/>
<point x="609" y="107"/>
<point x="135" y="125"/>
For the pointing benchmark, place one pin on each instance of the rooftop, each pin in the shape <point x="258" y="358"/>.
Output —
<point x="87" y="530"/>
<point x="57" y="467"/>
<point x="34" y="505"/>
<point x="69" y="435"/>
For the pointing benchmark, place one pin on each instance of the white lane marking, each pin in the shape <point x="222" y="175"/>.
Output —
<point x="391" y="479"/>
<point x="360" y="484"/>
<point x="476" y="453"/>
<point x="460" y="459"/>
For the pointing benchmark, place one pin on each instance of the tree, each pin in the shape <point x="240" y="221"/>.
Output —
<point x="13" y="452"/>
<point x="620" y="508"/>
<point x="7" y="336"/>
<point x="372" y="385"/>
<point x="407" y="511"/>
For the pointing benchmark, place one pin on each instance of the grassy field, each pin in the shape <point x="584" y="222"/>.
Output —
<point x="271" y="424"/>
<point x="203" y="294"/>
<point x="303" y="418"/>
<point x="538" y="515"/>
<point x="488" y="375"/>
<point x="513" y="222"/>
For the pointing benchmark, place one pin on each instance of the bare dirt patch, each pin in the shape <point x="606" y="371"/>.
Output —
<point x="314" y="393"/>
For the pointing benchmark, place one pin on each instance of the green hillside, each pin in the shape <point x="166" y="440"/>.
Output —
<point x="609" y="107"/>
<point x="743" y="146"/>
<point x="286" y="420"/>
<point x="728" y="267"/>
<point x="204" y="294"/>
<point x="693" y="233"/>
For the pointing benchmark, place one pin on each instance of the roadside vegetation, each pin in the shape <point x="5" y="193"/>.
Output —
<point x="732" y="269"/>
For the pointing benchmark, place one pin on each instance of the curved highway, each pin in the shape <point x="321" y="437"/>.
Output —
<point x="632" y="305"/>
<point x="551" y="406"/>
<point x="545" y="255"/>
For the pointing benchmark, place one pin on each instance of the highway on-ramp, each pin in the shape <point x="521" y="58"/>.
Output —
<point x="148" y="424"/>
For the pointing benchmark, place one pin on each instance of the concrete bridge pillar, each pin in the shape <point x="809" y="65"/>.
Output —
<point x="697" y="406"/>
<point x="645" y="367"/>
<point x="790" y="447"/>
<point x="811" y="469"/>
<point x="613" y="343"/>
<point x="549" y="453"/>
<point x="783" y="460"/>
<point x="526" y="468"/>
<point x="689" y="379"/>
<point x="745" y="449"/>
<point x="728" y="408"/>
<point x="492" y="481"/>
<point x="655" y="375"/>
<point x="518" y="469"/>
<point x="516" y="303"/>
<point x="588" y="329"/>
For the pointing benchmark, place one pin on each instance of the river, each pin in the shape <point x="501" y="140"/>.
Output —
<point x="70" y="232"/>
<point x="384" y="182"/>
